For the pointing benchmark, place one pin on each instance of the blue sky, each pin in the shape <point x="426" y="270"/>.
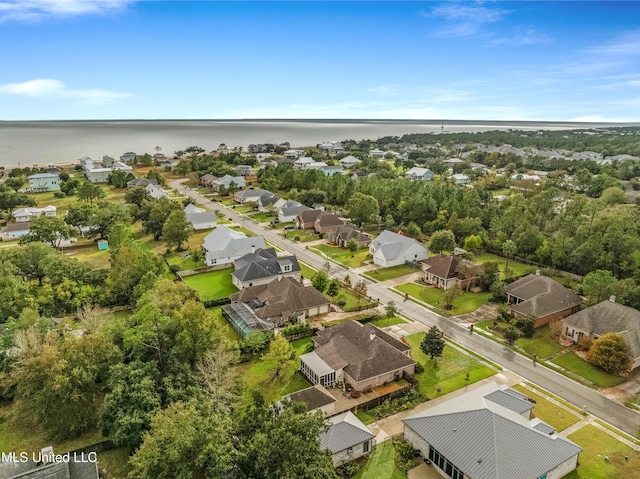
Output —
<point x="127" y="59"/>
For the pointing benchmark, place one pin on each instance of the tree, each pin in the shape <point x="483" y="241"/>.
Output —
<point x="598" y="285"/>
<point x="346" y="282"/>
<point x="90" y="192"/>
<point x="391" y="309"/>
<point x="360" y="290"/>
<point x="363" y="209"/>
<point x="14" y="183"/>
<point x="442" y="240"/>
<point x="133" y="399"/>
<point x="473" y="243"/>
<point x="129" y="265"/>
<point x="119" y="178"/>
<point x="32" y="259"/>
<point x="320" y="281"/>
<point x="611" y="353"/>
<point x="433" y="343"/>
<point x="14" y="292"/>
<point x="186" y="441"/>
<point x="48" y="230"/>
<point x="509" y="248"/>
<point x="352" y="245"/>
<point x="195" y="333"/>
<point x="490" y="273"/>
<point x="450" y="295"/>
<point x="159" y="211"/>
<point x="467" y="272"/>
<point x="510" y="335"/>
<point x="333" y="288"/>
<point x="280" y="354"/>
<point x="9" y="200"/>
<point x="219" y="377"/>
<point x="176" y="229"/>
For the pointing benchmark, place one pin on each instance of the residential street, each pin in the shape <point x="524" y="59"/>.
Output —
<point x="595" y="402"/>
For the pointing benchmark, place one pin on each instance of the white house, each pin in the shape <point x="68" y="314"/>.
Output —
<point x="393" y="249"/>
<point x="419" y="174"/>
<point x="460" y="179"/>
<point x="249" y="196"/>
<point x="301" y="163"/>
<point x="156" y="192"/>
<point x="347" y="438"/>
<point x="288" y="211"/>
<point x="377" y="153"/>
<point x="22" y="215"/>
<point x="200" y="218"/>
<point x="224" y="245"/>
<point x="349" y="161"/>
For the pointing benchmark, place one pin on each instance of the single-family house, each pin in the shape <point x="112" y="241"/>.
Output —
<point x="224" y="245"/>
<point x="377" y="153"/>
<point x="316" y="398"/>
<point x="393" y="249"/>
<point x="244" y="170"/>
<point x="361" y="355"/>
<point x="444" y="271"/>
<point x="98" y="174"/>
<point x="488" y="433"/>
<point x="15" y="231"/>
<point x="249" y="196"/>
<point x="307" y="219"/>
<point x="263" y="266"/>
<point x="541" y="299"/>
<point x="141" y="182"/>
<point x="315" y="165"/>
<point x="302" y="162"/>
<point x="107" y="161"/>
<point x="294" y="154"/>
<point x="342" y="234"/>
<point x="288" y="211"/>
<point x="227" y="181"/>
<point x="419" y="174"/>
<point x="269" y="202"/>
<point x="120" y="166"/>
<point x="460" y="179"/>
<point x="22" y="215"/>
<point x="156" y="192"/>
<point x="349" y="161"/>
<point x="347" y="438"/>
<point x="207" y="180"/>
<point x="606" y="317"/>
<point x="327" y="222"/>
<point x="266" y="306"/>
<point x="128" y="158"/>
<point x="525" y="177"/>
<point x="41" y="182"/>
<point x="453" y="161"/>
<point x="200" y="218"/>
<point x="331" y="170"/>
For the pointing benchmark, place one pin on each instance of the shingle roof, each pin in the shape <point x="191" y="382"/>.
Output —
<point x="251" y="193"/>
<point x="314" y="397"/>
<point x="264" y="263"/>
<point x="224" y="242"/>
<point x="349" y="231"/>
<point x="363" y="351"/>
<point x="392" y="244"/>
<point x="488" y="441"/>
<point x="541" y="296"/>
<point x="17" y="227"/>
<point x="141" y="182"/>
<point x="201" y="218"/>
<point x="609" y="316"/>
<point x="328" y="219"/>
<point x="346" y="431"/>
<point x="442" y="266"/>
<point x="293" y="210"/>
<point x="309" y="216"/>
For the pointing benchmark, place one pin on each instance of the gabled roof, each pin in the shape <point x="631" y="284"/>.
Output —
<point x="43" y="175"/>
<point x="363" y="351"/>
<point x="264" y="263"/>
<point x="392" y="244"/>
<point x="25" y="226"/>
<point x="201" y="218"/>
<point x="487" y="440"/>
<point x="349" y="160"/>
<point x="328" y="219"/>
<point x="192" y="208"/>
<point x="251" y="193"/>
<point x="541" y="296"/>
<point x="141" y="182"/>
<point x="309" y="216"/>
<point x="416" y="171"/>
<point x="314" y="397"/>
<point x="224" y="242"/>
<point x="293" y="210"/>
<point x="349" y="231"/>
<point x="442" y="266"/>
<point x="345" y="431"/>
<point x="607" y="317"/>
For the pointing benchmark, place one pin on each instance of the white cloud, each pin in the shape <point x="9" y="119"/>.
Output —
<point x="623" y="45"/>
<point x="54" y="89"/>
<point x="523" y="36"/>
<point x="465" y="20"/>
<point x="34" y="10"/>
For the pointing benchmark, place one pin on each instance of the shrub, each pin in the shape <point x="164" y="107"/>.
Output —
<point x="528" y="329"/>
<point x="59" y="194"/>
<point x="296" y="238"/>
<point x="405" y="454"/>
<point x="419" y="369"/>
<point x="510" y="335"/>
<point x="341" y="300"/>
<point x="585" y="343"/>
<point x="348" y="469"/>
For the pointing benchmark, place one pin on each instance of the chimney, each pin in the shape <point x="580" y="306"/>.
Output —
<point x="612" y="298"/>
<point x="253" y="249"/>
<point x="537" y="272"/>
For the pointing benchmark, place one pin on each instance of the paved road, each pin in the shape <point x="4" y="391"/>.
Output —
<point x="595" y="402"/>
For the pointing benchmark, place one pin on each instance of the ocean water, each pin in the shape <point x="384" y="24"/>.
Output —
<point x="44" y="142"/>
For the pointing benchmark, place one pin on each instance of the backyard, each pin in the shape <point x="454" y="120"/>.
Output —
<point x="467" y="302"/>
<point x="381" y="464"/>
<point x="342" y="255"/>
<point x="393" y="272"/>
<point x="447" y="373"/>
<point x="212" y="285"/>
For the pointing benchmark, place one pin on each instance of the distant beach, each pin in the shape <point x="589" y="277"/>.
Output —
<point x="44" y="142"/>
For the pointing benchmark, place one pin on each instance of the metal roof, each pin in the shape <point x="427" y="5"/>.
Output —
<point x="346" y="431"/>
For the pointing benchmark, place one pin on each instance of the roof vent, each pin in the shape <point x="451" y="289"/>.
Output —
<point x="372" y="335"/>
<point x="479" y="461"/>
<point x="612" y="298"/>
<point x="537" y="272"/>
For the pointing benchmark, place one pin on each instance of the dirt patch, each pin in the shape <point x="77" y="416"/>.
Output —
<point x="627" y="391"/>
<point x="386" y="388"/>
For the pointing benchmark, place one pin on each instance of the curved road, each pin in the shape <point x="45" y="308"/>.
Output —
<point x="572" y="391"/>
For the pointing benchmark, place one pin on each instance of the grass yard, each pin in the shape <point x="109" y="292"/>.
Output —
<point x="381" y="464"/>
<point x="465" y="303"/>
<point x="303" y="235"/>
<point x="114" y="462"/>
<point x="590" y="372"/>
<point x="97" y="259"/>
<point x="212" y="285"/>
<point x="597" y="444"/>
<point x="257" y="374"/>
<point x="306" y="270"/>
<point x="352" y="301"/>
<point x="365" y="418"/>
<point x="541" y="343"/>
<point x="518" y="269"/>
<point x="556" y="416"/>
<point x="342" y="255"/>
<point x="244" y="230"/>
<point x="225" y="328"/>
<point x="447" y="373"/>
<point x="393" y="272"/>
<point x="384" y="322"/>
<point x="30" y="438"/>
<point x="263" y="217"/>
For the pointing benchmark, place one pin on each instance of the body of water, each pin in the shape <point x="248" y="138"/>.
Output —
<point x="44" y="142"/>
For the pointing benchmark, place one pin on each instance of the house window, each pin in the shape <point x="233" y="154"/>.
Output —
<point x="287" y="267"/>
<point x="445" y="466"/>
<point x="365" y="447"/>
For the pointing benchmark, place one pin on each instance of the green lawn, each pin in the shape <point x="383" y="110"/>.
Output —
<point x="225" y="327"/>
<point x="212" y="285"/>
<point x="342" y="255"/>
<point x="302" y="235"/>
<point x="393" y="272"/>
<point x="518" y="269"/>
<point x="263" y="217"/>
<point x="556" y="416"/>
<point x="590" y="372"/>
<point x="381" y="464"/>
<point x="365" y="418"/>
<point x="352" y="301"/>
<point x="465" y="303"/>
<point x="384" y="322"/>
<point x="307" y="271"/>
<point x="541" y="343"/>
<point x="447" y="373"/>
<point x="597" y="444"/>
<point x="244" y="230"/>
<point x="183" y="263"/>
<point x="258" y="374"/>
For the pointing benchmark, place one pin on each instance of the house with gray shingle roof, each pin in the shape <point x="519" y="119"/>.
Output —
<point x="606" y="317"/>
<point x="347" y="438"/>
<point x="361" y="355"/>
<point x="393" y="249"/>
<point x="288" y="211"/>
<point x="317" y="398"/>
<point x="488" y="433"/>
<point x="263" y="266"/>
<point x="541" y="299"/>
<point x="349" y="161"/>
<point x="419" y="174"/>
<point x="200" y="218"/>
<point x="224" y="245"/>
<point x="342" y="234"/>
